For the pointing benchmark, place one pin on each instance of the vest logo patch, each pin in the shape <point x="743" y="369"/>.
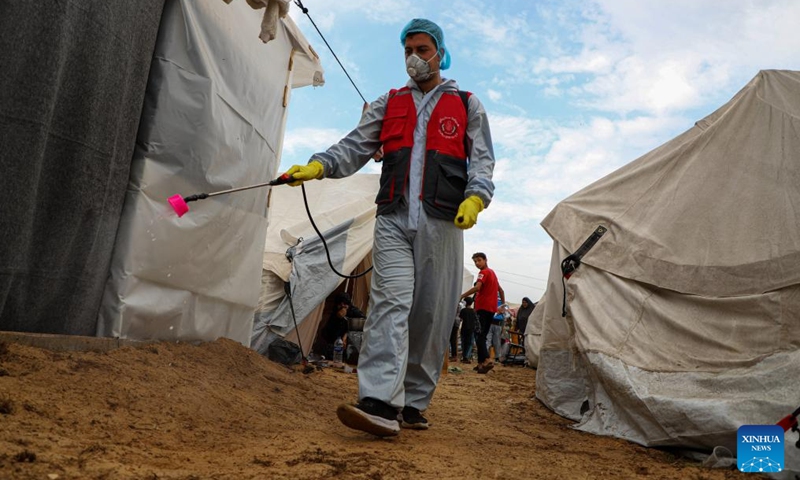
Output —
<point x="448" y="127"/>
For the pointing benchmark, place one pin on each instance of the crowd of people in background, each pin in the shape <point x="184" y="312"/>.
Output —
<point x="500" y="328"/>
<point x="490" y="324"/>
<point x="507" y="329"/>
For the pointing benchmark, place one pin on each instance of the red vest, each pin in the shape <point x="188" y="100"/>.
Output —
<point x="445" y="169"/>
<point x="446" y="127"/>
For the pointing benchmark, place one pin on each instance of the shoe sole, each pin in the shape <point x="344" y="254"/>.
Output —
<point x="357" y="419"/>
<point x="486" y="369"/>
<point x="414" y="426"/>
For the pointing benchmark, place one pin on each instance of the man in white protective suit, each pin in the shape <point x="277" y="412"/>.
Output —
<point x="436" y="177"/>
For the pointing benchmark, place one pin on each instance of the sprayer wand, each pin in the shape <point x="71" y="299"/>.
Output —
<point x="179" y="204"/>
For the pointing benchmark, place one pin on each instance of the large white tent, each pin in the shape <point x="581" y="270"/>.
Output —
<point x="344" y="211"/>
<point x="213" y="119"/>
<point x="683" y="320"/>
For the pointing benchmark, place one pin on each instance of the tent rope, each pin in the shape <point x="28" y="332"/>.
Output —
<point x="287" y="288"/>
<point x="299" y="3"/>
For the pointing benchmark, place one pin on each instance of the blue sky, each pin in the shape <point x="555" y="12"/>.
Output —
<point x="574" y="90"/>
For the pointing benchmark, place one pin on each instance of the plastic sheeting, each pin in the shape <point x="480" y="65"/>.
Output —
<point x="684" y="319"/>
<point x="213" y="119"/>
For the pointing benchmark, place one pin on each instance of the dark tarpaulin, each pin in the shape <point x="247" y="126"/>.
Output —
<point x="72" y="82"/>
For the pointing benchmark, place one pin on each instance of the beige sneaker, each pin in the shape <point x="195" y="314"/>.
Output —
<point x="371" y="416"/>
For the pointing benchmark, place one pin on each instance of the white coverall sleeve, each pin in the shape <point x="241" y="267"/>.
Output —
<point x="356" y="149"/>
<point x="481" y="155"/>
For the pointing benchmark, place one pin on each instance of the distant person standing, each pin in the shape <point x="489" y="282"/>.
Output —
<point x="454" y="335"/>
<point x="495" y="335"/>
<point x="525" y="310"/>
<point x="469" y="324"/>
<point x="487" y="289"/>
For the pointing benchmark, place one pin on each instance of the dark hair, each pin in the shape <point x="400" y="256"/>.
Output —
<point x="342" y="297"/>
<point x="479" y="255"/>
<point x="468" y="301"/>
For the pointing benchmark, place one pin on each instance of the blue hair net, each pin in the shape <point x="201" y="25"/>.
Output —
<point x="421" y="25"/>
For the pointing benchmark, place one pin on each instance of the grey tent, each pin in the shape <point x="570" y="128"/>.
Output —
<point x="683" y="320"/>
<point x="71" y="92"/>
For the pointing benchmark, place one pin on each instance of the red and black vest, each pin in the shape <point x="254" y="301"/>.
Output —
<point x="444" y="173"/>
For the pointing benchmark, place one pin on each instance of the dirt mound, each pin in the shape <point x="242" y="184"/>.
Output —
<point x="220" y="410"/>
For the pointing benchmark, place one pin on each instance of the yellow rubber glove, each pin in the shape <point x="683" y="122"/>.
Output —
<point x="468" y="212"/>
<point x="301" y="173"/>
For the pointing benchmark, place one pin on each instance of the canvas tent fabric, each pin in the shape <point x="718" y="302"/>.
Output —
<point x="71" y="90"/>
<point x="683" y="320"/>
<point x="344" y="211"/>
<point x="213" y="120"/>
<point x="273" y="10"/>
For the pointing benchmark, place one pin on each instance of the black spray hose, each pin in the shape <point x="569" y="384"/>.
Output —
<point x="325" y="244"/>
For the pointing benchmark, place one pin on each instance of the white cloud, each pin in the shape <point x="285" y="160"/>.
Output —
<point x="656" y="57"/>
<point x="487" y="37"/>
<point x="586" y="152"/>
<point x="519" y="135"/>
<point x="371" y="167"/>
<point x="324" y="20"/>
<point x="501" y="169"/>
<point x="521" y="207"/>
<point x="494" y="95"/>
<point x="310" y="139"/>
<point x="662" y="57"/>
<point x="528" y="185"/>
<point x="587" y="61"/>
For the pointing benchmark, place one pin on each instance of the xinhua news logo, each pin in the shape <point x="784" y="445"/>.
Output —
<point x="759" y="448"/>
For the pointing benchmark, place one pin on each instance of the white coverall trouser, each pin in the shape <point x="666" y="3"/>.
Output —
<point x="415" y="283"/>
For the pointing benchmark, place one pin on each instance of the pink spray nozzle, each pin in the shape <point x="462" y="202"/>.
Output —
<point x="178" y="204"/>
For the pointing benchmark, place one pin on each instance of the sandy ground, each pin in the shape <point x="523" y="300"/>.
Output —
<point x="221" y="411"/>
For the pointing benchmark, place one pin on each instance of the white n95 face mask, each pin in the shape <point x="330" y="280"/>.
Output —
<point x="418" y="69"/>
